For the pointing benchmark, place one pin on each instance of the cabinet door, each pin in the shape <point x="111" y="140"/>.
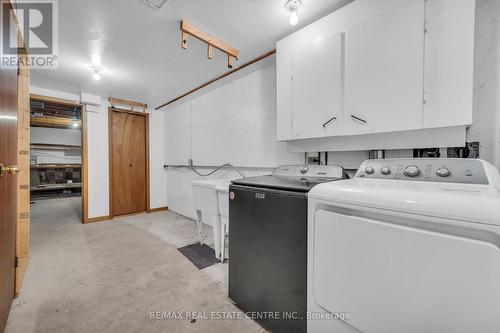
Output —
<point x="449" y="63"/>
<point x="317" y="88"/>
<point x="384" y="71"/>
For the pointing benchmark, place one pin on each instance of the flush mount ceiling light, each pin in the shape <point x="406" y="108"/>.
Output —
<point x="156" y="4"/>
<point x="96" y="59"/>
<point x="96" y="67"/>
<point x="97" y="70"/>
<point x="293" y="6"/>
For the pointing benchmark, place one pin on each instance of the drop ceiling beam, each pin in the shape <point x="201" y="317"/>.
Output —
<point x="212" y="42"/>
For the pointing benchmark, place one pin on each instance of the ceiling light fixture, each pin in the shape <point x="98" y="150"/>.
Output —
<point x="97" y="70"/>
<point x="96" y="60"/>
<point x="293" y="6"/>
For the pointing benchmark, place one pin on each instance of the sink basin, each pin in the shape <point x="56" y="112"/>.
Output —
<point x="222" y="190"/>
<point x="205" y="198"/>
<point x="206" y="205"/>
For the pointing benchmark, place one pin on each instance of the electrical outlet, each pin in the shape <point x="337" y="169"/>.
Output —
<point x="313" y="158"/>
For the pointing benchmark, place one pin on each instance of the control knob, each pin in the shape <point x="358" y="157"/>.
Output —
<point x="369" y="170"/>
<point x="443" y="172"/>
<point x="412" y="171"/>
<point x="385" y="171"/>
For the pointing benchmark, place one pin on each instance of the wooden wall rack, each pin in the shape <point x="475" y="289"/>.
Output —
<point x="189" y="29"/>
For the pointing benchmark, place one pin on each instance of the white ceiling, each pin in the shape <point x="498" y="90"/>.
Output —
<point x="141" y="49"/>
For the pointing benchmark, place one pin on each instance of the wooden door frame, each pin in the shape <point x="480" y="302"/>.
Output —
<point x="85" y="167"/>
<point x="110" y="156"/>
<point x="11" y="151"/>
<point x="84" y="170"/>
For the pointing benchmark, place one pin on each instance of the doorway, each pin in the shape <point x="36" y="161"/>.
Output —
<point x="58" y="155"/>
<point x="128" y="162"/>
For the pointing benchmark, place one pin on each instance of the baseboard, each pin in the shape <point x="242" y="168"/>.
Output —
<point x="159" y="209"/>
<point x="109" y="217"/>
<point x="98" y="219"/>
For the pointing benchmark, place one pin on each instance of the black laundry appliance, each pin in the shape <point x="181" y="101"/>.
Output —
<point x="268" y="244"/>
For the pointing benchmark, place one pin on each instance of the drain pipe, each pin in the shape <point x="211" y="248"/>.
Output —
<point x="305" y="168"/>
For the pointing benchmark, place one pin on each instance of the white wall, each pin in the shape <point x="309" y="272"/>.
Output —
<point x="98" y="163"/>
<point x="486" y="118"/>
<point x="158" y="175"/>
<point x="234" y="123"/>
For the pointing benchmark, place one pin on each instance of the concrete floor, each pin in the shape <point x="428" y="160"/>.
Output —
<point x="109" y="276"/>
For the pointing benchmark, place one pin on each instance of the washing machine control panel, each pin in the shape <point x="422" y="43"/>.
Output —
<point x="310" y="171"/>
<point x="466" y="171"/>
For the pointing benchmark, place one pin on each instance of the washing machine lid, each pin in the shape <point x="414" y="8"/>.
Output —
<point x="295" y="184"/>
<point x="476" y="203"/>
<point x="297" y="178"/>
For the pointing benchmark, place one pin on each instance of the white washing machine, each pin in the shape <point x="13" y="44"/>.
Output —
<point x="408" y="245"/>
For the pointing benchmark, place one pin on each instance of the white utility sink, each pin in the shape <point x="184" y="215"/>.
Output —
<point x="223" y="199"/>
<point x="206" y="205"/>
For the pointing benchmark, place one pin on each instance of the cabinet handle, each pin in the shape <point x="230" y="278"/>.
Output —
<point x="329" y="121"/>
<point x="358" y="119"/>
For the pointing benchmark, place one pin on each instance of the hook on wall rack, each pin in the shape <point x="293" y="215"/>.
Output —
<point x="212" y="42"/>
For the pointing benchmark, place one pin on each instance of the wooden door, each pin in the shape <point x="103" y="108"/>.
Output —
<point x="8" y="193"/>
<point x="129" y="162"/>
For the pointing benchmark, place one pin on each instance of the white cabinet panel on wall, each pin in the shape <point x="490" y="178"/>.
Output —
<point x="317" y="88"/>
<point x="260" y="148"/>
<point x="384" y="71"/>
<point x="259" y="144"/>
<point x="178" y="135"/>
<point x="218" y="126"/>
<point x="449" y="62"/>
<point x="283" y="95"/>
<point x="236" y="123"/>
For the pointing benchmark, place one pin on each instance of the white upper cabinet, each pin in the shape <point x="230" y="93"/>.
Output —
<point x="317" y="88"/>
<point x="375" y="67"/>
<point x="449" y="58"/>
<point x="385" y="71"/>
